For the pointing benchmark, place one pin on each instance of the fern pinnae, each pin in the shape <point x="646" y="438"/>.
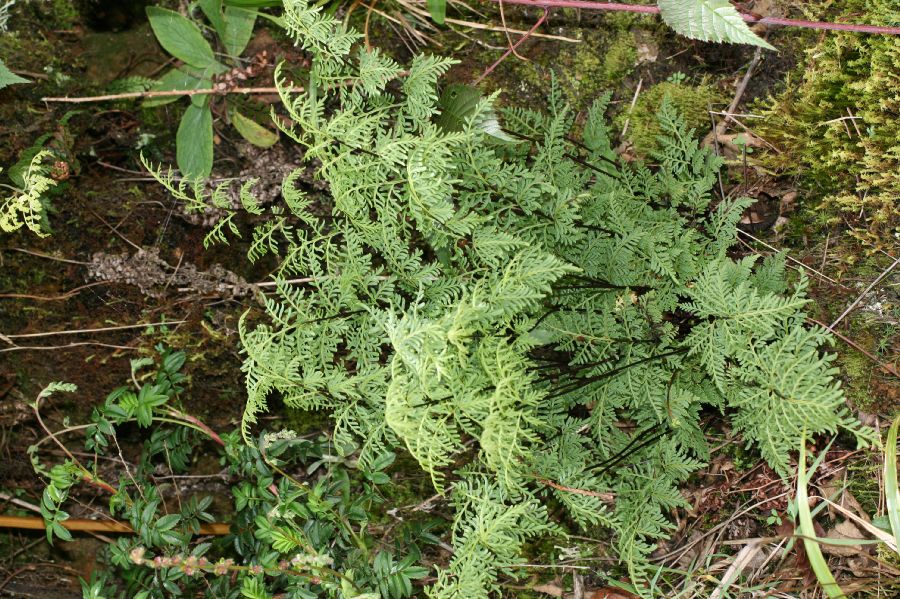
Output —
<point x="514" y="306"/>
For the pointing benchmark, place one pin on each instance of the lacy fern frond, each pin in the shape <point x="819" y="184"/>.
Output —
<point x="532" y="313"/>
<point x="488" y="537"/>
<point x="25" y="207"/>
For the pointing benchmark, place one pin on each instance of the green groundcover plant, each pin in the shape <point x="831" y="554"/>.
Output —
<point x="304" y="539"/>
<point x="539" y="326"/>
<point x="201" y="69"/>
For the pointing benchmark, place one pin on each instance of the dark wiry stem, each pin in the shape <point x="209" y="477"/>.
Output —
<point x="582" y="382"/>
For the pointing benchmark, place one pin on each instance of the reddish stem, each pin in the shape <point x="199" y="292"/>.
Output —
<point x="514" y="46"/>
<point x="654" y="10"/>
<point x="199" y="424"/>
<point x="604" y="497"/>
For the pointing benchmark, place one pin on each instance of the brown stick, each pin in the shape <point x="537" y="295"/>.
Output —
<point x="170" y="93"/>
<point x="604" y="497"/>
<point x="889" y="369"/>
<point x="84" y="525"/>
<point x="100" y="330"/>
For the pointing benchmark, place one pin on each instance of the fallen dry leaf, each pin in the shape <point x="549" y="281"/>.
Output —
<point x="552" y="589"/>
<point x="788" y="202"/>
<point x="845" y="530"/>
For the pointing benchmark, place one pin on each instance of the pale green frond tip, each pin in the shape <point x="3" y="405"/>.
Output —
<point x="57" y="387"/>
<point x="25" y="207"/>
<point x="709" y="21"/>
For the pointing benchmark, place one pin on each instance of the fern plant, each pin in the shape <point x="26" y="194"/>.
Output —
<point x="534" y="322"/>
<point x="26" y="206"/>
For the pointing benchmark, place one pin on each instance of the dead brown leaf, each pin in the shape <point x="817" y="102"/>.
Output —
<point x="845" y="530"/>
<point x="551" y="588"/>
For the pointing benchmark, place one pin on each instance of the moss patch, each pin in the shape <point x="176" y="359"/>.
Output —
<point x="836" y="126"/>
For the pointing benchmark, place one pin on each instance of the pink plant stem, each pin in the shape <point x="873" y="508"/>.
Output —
<point x="514" y="46"/>
<point x="200" y="424"/>
<point x="654" y="10"/>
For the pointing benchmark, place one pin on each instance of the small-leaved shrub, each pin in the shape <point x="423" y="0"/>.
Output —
<point x="306" y="539"/>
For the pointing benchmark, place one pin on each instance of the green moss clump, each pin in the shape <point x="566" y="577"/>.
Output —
<point x="837" y="125"/>
<point x="620" y="58"/>
<point x="598" y="64"/>
<point x="691" y="101"/>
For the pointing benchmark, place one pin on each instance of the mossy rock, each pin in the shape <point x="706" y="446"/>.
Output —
<point x="836" y="125"/>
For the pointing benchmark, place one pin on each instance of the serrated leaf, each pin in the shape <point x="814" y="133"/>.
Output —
<point x="168" y="522"/>
<point x="180" y="37"/>
<point x="194" y="142"/>
<point x="253" y="131"/>
<point x="238" y="29"/>
<point x="7" y="77"/>
<point x="709" y="21"/>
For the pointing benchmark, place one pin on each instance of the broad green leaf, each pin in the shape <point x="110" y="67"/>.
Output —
<point x="174" y="79"/>
<point x="458" y="103"/>
<point x="709" y="21"/>
<point x="59" y="530"/>
<point x="180" y="37"/>
<point x="438" y="10"/>
<point x="202" y="99"/>
<point x="253" y="131"/>
<point x="194" y="142"/>
<point x="7" y="77"/>
<point x="238" y="29"/>
<point x="213" y="11"/>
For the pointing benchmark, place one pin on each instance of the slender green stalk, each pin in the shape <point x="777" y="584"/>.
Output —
<point x="891" y="490"/>
<point x="810" y="542"/>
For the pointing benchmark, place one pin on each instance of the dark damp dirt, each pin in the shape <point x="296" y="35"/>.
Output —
<point x="108" y="204"/>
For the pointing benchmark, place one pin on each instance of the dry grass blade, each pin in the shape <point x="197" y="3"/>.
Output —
<point x="813" y="551"/>
<point x="891" y="490"/>
<point x="873" y="530"/>
<point x="740" y="561"/>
